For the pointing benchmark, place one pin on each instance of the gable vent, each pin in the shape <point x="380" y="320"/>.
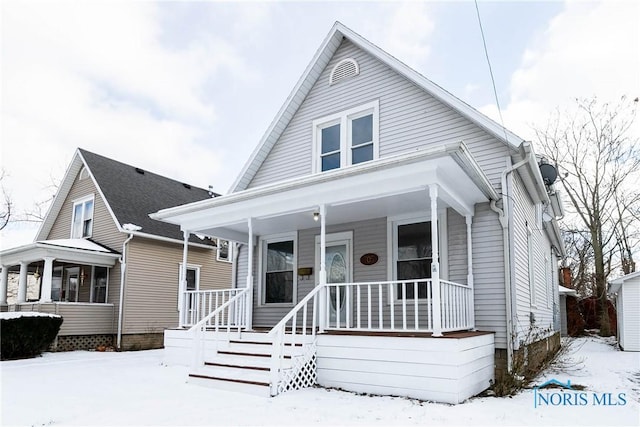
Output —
<point x="140" y="171"/>
<point x="343" y="70"/>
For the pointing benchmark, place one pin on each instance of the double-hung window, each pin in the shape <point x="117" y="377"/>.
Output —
<point x="278" y="267"/>
<point x="82" y="221"/>
<point x="346" y="138"/>
<point x="413" y="255"/>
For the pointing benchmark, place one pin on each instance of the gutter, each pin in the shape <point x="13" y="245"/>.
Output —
<point x="503" y="217"/>
<point x="123" y="268"/>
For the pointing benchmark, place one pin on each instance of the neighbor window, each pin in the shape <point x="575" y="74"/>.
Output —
<point x="413" y="255"/>
<point x="278" y="267"/>
<point x="346" y="138"/>
<point x="224" y="250"/>
<point x="82" y="221"/>
<point x="100" y="278"/>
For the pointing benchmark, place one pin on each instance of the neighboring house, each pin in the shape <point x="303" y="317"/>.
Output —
<point x="393" y="240"/>
<point x="627" y="294"/>
<point x="563" y="294"/>
<point x="104" y="265"/>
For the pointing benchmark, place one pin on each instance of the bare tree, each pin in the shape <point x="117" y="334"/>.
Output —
<point x="6" y="210"/>
<point x="599" y="163"/>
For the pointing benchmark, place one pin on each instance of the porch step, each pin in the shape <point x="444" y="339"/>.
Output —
<point x="228" y="384"/>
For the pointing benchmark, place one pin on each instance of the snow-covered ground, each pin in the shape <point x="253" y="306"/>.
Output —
<point x="90" y="388"/>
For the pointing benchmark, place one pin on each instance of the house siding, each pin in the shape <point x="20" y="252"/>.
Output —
<point x="105" y="231"/>
<point x="409" y="119"/>
<point x="533" y="320"/>
<point x="151" y="288"/>
<point x="79" y="318"/>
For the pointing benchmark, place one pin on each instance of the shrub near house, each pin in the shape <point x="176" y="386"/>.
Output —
<point x="27" y="334"/>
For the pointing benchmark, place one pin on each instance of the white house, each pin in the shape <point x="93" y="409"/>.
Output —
<point x="390" y="239"/>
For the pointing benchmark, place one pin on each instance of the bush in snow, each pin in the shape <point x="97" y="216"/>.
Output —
<point x="26" y="334"/>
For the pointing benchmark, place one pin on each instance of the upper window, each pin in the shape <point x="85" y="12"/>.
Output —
<point x="346" y="138"/>
<point x="82" y="221"/>
<point x="224" y="251"/>
<point x="278" y="271"/>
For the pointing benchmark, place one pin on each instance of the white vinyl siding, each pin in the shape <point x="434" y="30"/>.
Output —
<point x="409" y="119"/>
<point x="531" y="266"/>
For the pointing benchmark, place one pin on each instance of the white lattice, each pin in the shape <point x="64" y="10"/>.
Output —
<point x="302" y="373"/>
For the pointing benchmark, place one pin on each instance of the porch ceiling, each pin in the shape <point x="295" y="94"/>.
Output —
<point x="386" y="187"/>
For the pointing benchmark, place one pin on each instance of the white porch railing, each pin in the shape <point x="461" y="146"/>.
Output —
<point x="302" y="322"/>
<point x="229" y="316"/>
<point x="199" y="304"/>
<point x="388" y="306"/>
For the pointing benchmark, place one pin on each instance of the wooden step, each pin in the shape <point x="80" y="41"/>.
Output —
<point x="233" y="380"/>
<point x="238" y="353"/>
<point x="228" y="365"/>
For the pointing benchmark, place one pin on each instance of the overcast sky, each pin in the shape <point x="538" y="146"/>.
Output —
<point x="187" y="89"/>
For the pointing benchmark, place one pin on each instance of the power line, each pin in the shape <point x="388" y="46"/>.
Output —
<point x="493" y="81"/>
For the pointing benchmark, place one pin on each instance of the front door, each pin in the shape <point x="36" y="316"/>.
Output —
<point x="338" y="266"/>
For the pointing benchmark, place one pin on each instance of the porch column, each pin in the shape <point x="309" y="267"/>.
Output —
<point x="182" y="285"/>
<point x="435" y="262"/>
<point x="472" y="315"/>
<point x="4" y="280"/>
<point x="249" y="304"/>
<point x="322" y="305"/>
<point x="47" y="278"/>
<point x="22" y="283"/>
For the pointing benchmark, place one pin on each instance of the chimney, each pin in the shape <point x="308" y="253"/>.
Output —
<point x="565" y="273"/>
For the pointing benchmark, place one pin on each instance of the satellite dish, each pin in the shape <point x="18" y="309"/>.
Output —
<point x="549" y="172"/>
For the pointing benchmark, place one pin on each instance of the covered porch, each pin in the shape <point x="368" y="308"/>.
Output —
<point x="56" y="276"/>
<point x="315" y="240"/>
<point x="381" y="248"/>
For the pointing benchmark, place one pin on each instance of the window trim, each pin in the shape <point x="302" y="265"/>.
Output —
<point x="344" y="118"/>
<point x="195" y="267"/>
<point x="392" y="243"/>
<point x="262" y="270"/>
<point x="229" y="251"/>
<point x="82" y="201"/>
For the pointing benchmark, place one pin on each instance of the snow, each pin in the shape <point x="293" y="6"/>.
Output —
<point x="19" y="314"/>
<point x="75" y="244"/>
<point x="134" y="388"/>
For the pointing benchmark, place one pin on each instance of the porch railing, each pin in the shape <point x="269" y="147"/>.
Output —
<point x="198" y="304"/>
<point x="226" y="318"/>
<point x="302" y="323"/>
<point x="388" y="306"/>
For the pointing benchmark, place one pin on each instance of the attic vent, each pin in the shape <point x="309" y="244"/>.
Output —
<point x="84" y="174"/>
<point x="187" y="186"/>
<point x="344" y="69"/>
<point x="140" y="171"/>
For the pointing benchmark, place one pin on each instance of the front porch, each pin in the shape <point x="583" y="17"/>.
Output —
<point x="381" y="248"/>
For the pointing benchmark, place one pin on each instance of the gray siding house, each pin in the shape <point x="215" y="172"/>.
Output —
<point x="105" y="266"/>
<point x="389" y="239"/>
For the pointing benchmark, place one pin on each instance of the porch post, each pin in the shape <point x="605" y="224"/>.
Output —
<point x="182" y="284"/>
<point x="4" y="280"/>
<point x="249" y="304"/>
<point x="322" y="306"/>
<point x="47" y="278"/>
<point x="472" y="315"/>
<point x="435" y="262"/>
<point x="22" y="283"/>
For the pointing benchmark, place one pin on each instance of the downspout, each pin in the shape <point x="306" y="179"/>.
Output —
<point x="123" y="268"/>
<point x="503" y="216"/>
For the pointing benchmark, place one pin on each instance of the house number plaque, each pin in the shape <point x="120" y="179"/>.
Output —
<point x="369" y="259"/>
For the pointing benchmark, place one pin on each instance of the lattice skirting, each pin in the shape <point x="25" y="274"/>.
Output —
<point x="302" y="375"/>
<point x="81" y="342"/>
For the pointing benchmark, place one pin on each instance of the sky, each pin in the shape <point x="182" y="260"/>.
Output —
<point x="187" y="89"/>
<point x="82" y="388"/>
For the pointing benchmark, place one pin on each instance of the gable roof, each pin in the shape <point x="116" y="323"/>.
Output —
<point x="312" y="73"/>
<point x="130" y="195"/>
